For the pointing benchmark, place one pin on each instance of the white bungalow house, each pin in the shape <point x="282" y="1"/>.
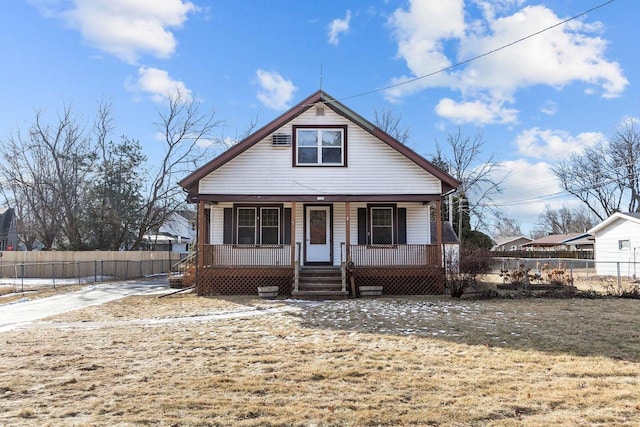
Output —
<point x="175" y="235"/>
<point x="617" y="245"/>
<point x="319" y="191"/>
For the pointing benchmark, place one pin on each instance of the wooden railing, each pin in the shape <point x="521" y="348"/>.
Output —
<point x="247" y="255"/>
<point x="393" y="255"/>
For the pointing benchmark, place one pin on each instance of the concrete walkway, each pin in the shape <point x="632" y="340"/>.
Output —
<point x="15" y="315"/>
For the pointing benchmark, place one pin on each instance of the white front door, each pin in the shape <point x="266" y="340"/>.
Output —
<point x="318" y="234"/>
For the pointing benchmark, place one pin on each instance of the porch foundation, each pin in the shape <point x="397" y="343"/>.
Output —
<point x="406" y="280"/>
<point x="243" y="280"/>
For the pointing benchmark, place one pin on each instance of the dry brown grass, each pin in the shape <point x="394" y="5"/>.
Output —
<point x="10" y="295"/>
<point x="408" y="361"/>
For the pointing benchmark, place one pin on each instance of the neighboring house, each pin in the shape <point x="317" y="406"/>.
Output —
<point x="175" y="235"/>
<point x="555" y="242"/>
<point x="8" y="235"/>
<point x="509" y="244"/>
<point x="319" y="186"/>
<point x="618" y="244"/>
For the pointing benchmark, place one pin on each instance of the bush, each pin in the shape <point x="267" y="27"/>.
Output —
<point x="462" y="272"/>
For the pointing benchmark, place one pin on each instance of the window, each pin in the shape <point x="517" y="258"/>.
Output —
<point x="381" y="225"/>
<point x="320" y="147"/>
<point x="624" y="245"/>
<point x="258" y="226"/>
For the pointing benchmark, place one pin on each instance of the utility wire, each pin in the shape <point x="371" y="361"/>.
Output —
<point x="482" y="55"/>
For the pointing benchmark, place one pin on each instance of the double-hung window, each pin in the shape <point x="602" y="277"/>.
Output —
<point x="258" y="226"/>
<point x="382" y="225"/>
<point x="320" y="146"/>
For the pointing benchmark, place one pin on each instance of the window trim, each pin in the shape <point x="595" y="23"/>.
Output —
<point x="394" y="224"/>
<point x="258" y="223"/>
<point x="341" y="128"/>
<point x="622" y="247"/>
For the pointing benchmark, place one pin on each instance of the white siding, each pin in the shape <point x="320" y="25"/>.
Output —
<point x="608" y="254"/>
<point x="372" y="168"/>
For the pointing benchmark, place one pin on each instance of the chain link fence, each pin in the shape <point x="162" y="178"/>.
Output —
<point x="601" y="276"/>
<point x="24" y="277"/>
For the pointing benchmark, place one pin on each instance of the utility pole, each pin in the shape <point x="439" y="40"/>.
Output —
<point x="461" y="202"/>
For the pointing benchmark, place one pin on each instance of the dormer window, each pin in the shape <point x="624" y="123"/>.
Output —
<point x="320" y="146"/>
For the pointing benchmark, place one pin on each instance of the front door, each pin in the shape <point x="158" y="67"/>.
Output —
<point x="318" y="234"/>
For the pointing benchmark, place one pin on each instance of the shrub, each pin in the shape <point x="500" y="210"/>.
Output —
<point x="462" y="272"/>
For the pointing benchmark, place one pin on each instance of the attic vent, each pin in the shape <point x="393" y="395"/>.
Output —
<point x="280" y="140"/>
<point x="319" y="111"/>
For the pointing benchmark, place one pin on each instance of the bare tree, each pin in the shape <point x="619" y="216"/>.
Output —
<point x="389" y="122"/>
<point x="46" y="172"/>
<point x="606" y="176"/>
<point x="187" y="135"/>
<point x="504" y="226"/>
<point x="563" y="221"/>
<point x="477" y="175"/>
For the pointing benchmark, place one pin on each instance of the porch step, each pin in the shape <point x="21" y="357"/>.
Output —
<point x="320" y="283"/>
<point x="320" y="294"/>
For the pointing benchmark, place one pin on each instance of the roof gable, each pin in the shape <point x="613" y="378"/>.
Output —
<point x="190" y="182"/>
<point x="618" y="216"/>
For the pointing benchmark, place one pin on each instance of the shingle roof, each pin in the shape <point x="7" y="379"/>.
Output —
<point x="448" y="234"/>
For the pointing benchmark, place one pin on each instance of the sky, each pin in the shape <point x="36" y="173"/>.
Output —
<point x="481" y="66"/>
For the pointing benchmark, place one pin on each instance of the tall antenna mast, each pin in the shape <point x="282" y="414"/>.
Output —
<point x="320" y="76"/>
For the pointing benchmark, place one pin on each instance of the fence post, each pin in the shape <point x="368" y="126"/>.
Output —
<point x="22" y="276"/>
<point x="95" y="271"/>
<point x="78" y="271"/>
<point x="101" y="270"/>
<point x="53" y="274"/>
<point x="618" y="271"/>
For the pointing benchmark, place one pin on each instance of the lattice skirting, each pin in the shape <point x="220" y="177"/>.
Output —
<point x="410" y="280"/>
<point x="243" y="280"/>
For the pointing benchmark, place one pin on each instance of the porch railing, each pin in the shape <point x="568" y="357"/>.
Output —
<point x="247" y="255"/>
<point x="394" y="255"/>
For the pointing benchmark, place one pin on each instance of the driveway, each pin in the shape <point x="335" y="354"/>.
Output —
<point x="23" y="312"/>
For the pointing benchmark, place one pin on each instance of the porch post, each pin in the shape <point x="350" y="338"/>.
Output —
<point x="347" y="244"/>
<point x="439" y="231"/>
<point x="295" y="263"/>
<point x="200" y="235"/>
<point x="347" y="230"/>
<point x="293" y="233"/>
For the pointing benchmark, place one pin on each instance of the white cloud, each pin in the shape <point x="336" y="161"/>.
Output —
<point x="549" y="108"/>
<point x="125" y="29"/>
<point x="554" y="145"/>
<point x="275" y="91"/>
<point x="337" y="27"/>
<point x="434" y="35"/>
<point x="159" y="85"/>
<point x="478" y="111"/>
<point x="528" y="188"/>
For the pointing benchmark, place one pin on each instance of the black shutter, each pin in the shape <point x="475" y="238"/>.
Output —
<point x="362" y="226"/>
<point x="402" y="226"/>
<point x="287" y="226"/>
<point x="207" y="226"/>
<point x="227" y="234"/>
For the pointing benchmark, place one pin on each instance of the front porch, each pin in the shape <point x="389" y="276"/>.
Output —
<point x="229" y="269"/>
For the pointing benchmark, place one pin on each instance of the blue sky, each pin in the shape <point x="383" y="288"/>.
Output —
<point x="535" y="102"/>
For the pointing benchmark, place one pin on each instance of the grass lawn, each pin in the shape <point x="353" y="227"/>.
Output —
<point x="194" y="361"/>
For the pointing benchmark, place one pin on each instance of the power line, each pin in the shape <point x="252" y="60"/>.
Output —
<point x="482" y="55"/>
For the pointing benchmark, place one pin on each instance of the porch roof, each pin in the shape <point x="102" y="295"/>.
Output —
<point x="329" y="198"/>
